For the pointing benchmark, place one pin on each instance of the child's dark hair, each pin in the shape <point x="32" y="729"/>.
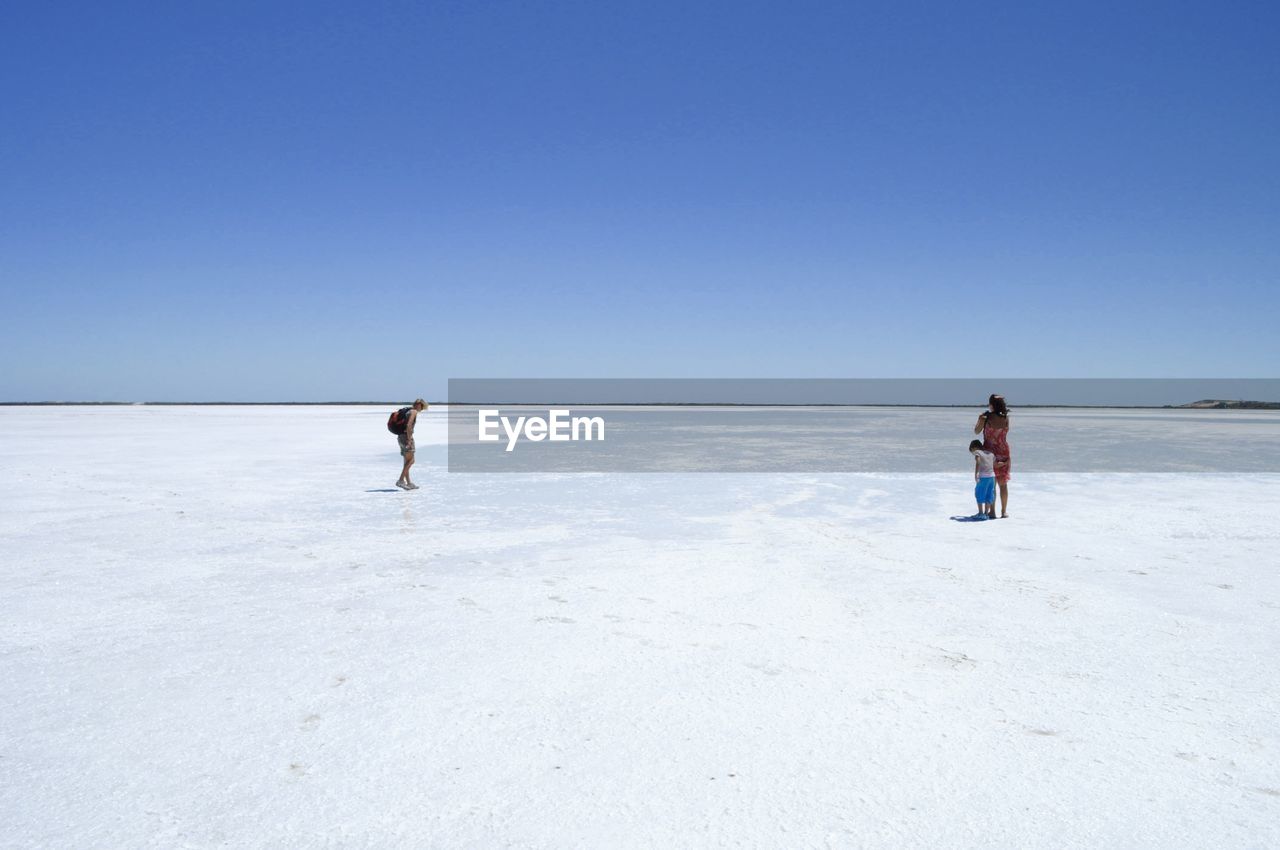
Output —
<point x="975" y="444"/>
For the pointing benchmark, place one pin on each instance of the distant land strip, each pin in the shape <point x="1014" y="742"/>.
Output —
<point x="201" y="403"/>
<point x="1223" y="404"/>
<point x="1203" y="404"/>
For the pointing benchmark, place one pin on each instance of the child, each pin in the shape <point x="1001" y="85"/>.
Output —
<point x="984" y="472"/>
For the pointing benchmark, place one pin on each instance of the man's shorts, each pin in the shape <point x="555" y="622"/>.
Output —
<point x="406" y="444"/>
<point x="985" y="492"/>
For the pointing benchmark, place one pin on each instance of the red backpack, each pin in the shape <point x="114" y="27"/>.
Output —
<point x="399" y="421"/>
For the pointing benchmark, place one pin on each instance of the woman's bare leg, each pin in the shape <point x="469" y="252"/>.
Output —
<point x="1004" y="499"/>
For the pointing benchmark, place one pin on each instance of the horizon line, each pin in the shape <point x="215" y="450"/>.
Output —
<point x="1183" y="406"/>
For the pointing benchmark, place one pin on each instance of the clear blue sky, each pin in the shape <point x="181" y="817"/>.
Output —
<point x="308" y="201"/>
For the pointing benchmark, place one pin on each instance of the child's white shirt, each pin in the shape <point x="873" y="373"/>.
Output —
<point x="986" y="463"/>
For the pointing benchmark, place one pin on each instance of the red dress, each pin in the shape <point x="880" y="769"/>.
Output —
<point x="996" y="441"/>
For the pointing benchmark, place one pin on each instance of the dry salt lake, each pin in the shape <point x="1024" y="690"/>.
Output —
<point x="221" y="629"/>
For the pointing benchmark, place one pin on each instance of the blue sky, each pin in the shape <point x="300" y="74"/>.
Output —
<point x="311" y="201"/>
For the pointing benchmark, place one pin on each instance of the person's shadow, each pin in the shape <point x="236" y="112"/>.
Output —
<point x="970" y="518"/>
<point x="386" y="490"/>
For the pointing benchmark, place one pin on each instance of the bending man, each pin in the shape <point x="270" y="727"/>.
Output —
<point x="406" y="445"/>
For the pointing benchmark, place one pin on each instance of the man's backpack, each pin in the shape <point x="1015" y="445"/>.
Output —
<point x="399" y="421"/>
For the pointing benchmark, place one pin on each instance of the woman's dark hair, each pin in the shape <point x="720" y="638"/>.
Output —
<point x="998" y="407"/>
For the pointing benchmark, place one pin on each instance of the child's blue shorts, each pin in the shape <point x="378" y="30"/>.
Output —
<point x="985" y="492"/>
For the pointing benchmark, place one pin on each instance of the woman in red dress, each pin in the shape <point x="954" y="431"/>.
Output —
<point x="993" y="425"/>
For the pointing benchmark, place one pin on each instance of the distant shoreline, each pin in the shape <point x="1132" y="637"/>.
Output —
<point x="1224" y="404"/>
<point x="1199" y="405"/>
